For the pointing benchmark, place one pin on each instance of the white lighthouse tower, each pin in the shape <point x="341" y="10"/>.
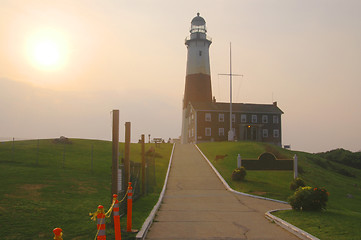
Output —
<point x="198" y="86"/>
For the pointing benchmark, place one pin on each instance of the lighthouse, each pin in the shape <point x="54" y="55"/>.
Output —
<point x="198" y="86"/>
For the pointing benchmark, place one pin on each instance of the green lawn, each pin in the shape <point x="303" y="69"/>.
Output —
<point x="42" y="188"/>
<point x="343" y="216"/>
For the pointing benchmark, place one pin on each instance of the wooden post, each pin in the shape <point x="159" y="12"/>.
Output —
<point x="92" y="149"/>
<point x="127" y="156"/>
<point x="115" y="150"/>
<point x="37" y="153"/>
<point x="143" y="164"/>
<point x="12" y="149"/>
<point x="64" y="155"/>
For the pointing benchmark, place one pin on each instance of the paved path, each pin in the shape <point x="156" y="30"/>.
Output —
<point x="196" y="205"/>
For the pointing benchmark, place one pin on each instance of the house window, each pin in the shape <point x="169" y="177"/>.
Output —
<point x="192" y="116"/>
<point x="200" y="53"/>
<point x="264" y="119"/>
<point x="275" y="119"/>
<point x="233" y="117"/>
<point x="221" y="132"/>
<point x="276" y="133"/>
<point x="243" y="118"/>
<point x="220" y="117"/>
<point x="265" y="133"/>
<point x="254" y="118"/>
<point x="208" y="117"/>
<point x="208" y="132"/>
<point x="192" y="132"/>
<point x="189" y="133"/>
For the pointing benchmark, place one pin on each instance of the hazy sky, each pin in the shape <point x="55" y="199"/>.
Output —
<point x="130" y="55"/>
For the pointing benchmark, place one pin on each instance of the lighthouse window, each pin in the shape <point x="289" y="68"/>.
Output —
<point x="200" y="53"/>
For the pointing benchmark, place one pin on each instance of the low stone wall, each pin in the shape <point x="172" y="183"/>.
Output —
<point x="267" y="161"/>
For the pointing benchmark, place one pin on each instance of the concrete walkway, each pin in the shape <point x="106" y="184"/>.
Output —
<point x="196" y="205"/>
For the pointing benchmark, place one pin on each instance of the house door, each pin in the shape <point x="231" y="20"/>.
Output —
<point x="251" y="133"/>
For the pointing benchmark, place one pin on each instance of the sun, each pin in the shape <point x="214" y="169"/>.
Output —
<point x="46" y="53"/>
<point x="47" y="50"/>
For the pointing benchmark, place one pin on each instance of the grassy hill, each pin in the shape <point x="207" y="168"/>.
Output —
<point x="340" y="155"/>
<point x="44" y="185"/>
<point x="343" y="216"/>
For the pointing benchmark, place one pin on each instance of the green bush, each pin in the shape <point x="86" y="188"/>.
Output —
<point x="309" y="199"/>
<point x="296" y="183"/>
<point x="239" y="174"/>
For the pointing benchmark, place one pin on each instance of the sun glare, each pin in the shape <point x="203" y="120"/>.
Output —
<point x="47" y="50"/>
<point x="46" y="53"/>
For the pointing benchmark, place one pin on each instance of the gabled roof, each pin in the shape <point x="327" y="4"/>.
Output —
<point x="236" y="107"/>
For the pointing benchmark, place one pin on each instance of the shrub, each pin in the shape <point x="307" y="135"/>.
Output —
<point x="296" y="183"/>
<point x="239" y="174"/>
<point x="309" y="199"/>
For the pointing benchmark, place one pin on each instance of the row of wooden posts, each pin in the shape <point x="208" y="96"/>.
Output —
<point x="115" y="189"/>
<point x="115" y="156"/>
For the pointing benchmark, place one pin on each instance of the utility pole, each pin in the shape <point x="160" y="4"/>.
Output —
<point x="231" y="134"/>
<point x="115" y="151"/>
<point x="127" y="156"/>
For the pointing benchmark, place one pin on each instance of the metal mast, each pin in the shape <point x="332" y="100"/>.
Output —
<point x="230" y="132"/>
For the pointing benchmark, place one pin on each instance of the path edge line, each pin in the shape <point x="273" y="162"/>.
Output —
<point x="286" y="225"/>
<point x="231" y="189"/>
<point x="289" y="227"/>
<point x="148" y="222"/>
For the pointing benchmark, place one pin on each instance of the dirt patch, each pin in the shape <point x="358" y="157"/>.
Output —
<point x="32" y="187"/>
<point x="83" y="188"/>
<point x="31" y="191"/>
<point x="259" y="193"/>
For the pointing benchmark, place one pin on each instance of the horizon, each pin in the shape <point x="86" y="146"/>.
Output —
<point x="66" y="65"/>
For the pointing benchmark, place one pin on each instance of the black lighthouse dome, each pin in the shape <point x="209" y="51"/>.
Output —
<point x="198" y="24"/>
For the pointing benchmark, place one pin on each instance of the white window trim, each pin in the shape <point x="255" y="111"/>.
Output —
<point x="243" y="118"/>
<point x="276" y="133"/>
<point x="275" y="119"/>
<point x="208" y="117"/>
<point x="220" y="119"/>
<point x="264" y="119"/>
<point x="221" y="130"/>
<point x="210" y="132"/>
<point x="254" y="119"/>
<point x="265" y="133"/>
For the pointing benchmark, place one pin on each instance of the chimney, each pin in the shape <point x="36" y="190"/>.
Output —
<point x="214" y="99"/>
<point x="275" y="104"/>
